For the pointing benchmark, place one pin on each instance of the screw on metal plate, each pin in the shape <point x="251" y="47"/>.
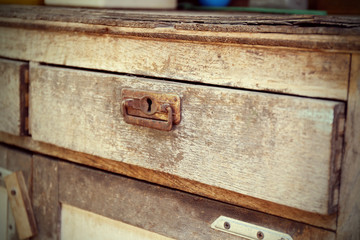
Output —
<point x="247" y="230"/>
<point x="260" y="235"/>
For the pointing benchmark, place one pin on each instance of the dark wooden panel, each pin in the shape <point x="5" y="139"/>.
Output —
<point x="14" y="160"/>
<point x="168" y="212"/>
<point x="45" y="197"/>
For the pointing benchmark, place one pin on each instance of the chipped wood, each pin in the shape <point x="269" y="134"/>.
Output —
<point x="196" y="21"/>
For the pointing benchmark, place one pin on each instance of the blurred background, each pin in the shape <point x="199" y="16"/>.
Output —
<point x="332" y="7"/>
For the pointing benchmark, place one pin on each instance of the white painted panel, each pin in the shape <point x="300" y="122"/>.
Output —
<point x="80" y="224"/>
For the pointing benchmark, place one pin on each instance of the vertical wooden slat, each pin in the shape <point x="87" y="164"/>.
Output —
<point x="349" y="211"/>
<point x="45" y="197"/>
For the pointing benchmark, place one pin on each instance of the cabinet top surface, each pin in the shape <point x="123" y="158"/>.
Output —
<point x="195" y="20"/>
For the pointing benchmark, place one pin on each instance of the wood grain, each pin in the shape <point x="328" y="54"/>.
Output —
<point x="157" y="209"/>
<point x="15" y="159"/>
<point x="349" y="212"/>
<point x="289" y="71"/>
<point x="45" y="198"/>
<point x="12" y="81"/>
<point x="80" y="224"/>
<point x="192" y="20"/>
<point x="3" y="212"/>
<point x="21" y="206"/>
<point x="323" y="221"/>
<point x="249" y="138"/>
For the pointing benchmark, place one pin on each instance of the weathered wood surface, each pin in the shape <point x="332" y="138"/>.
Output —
<point x="45" y="197"/>
<point x="3" y="213"/>
<point x="14" y="160"/>
<point x="349" y="212"/>
<point x="78" y="224"/>
<point x="273" y="147"/>
<point x="195" y="21"/>
<point x="167" y="212"/>
<point x="21" y="206"/>
<point x="314" y="74"/>
<point x="324" y="221"/>
<point x="12" y="102"/>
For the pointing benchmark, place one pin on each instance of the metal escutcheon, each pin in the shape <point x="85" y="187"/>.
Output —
<point x="150" y="109"/>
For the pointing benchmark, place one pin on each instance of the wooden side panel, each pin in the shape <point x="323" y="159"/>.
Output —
<point x="349" y="211"/>
<point x="167" y="212"/>
<point x="315" y="74"/>
<point x="272" y="147"/>
<point x="12" y="82"/>
<point x="78" y="224"/>
<point x="45" y="197"/>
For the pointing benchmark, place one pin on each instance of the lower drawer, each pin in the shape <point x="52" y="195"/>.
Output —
<point x="278" y="148"/>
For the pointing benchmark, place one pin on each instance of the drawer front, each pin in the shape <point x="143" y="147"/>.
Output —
<point x="13" y="78"/>
<point x="273" y="147"/>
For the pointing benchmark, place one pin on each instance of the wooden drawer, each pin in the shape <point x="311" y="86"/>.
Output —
<point x="13" y="84"/>
<point x="278" y="148"/>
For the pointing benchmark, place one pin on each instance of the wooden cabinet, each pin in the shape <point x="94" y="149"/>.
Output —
<point x="267" y="131"/>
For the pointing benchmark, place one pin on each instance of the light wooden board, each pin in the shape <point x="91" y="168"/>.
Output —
<point x="173" y="181"/>
<point x="79" y="224"/>
<point x="349" y="212"/>
<point x="162" y="210"/>
<point x="45" y="197"/>
<point x="21" y="206"/>
<point x="290" y="71"/>
<point x="12" y="78"/>
<point x="272" y="147"/>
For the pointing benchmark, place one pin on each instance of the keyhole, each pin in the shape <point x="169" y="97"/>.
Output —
<point x="149" y="102"/>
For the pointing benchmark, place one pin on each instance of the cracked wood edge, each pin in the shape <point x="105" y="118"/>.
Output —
<point x="311" y="41"/>
<point x="214" y="21"/>
<point x="327" y="222"/>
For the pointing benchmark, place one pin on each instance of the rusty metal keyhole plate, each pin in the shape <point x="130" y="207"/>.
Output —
<point x="150" y="109"/>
